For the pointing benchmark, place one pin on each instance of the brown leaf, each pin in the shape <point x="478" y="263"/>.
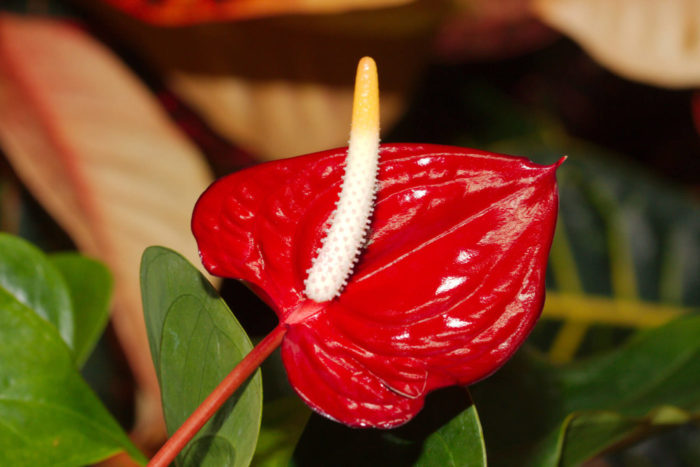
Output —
<point x="653" y="41"/>
<point x="182" y="12"/>
<point x="93" y="146"/>
<point x="279" y="87"/>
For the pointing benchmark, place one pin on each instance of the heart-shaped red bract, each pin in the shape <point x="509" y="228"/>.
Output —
<point x="449" y="285"/>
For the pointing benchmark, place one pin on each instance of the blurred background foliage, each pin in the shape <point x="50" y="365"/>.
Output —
<point x="115" y="115"/>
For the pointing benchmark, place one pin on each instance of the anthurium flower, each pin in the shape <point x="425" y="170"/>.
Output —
<point x="449" y="284"/>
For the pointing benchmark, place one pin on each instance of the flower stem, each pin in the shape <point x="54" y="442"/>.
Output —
<point x="218" y="396"/>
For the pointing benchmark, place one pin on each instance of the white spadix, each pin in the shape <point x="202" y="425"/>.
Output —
<point x="350" y="221"/>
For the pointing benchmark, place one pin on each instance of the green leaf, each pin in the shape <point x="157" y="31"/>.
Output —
<point x="633" y="245"/>
<point x="283" y="422"/>
<point x="195" y="342"/>
<point x="28" y="276"/>
<point x="48" y="414"/>
<point x="70" y="291"/>
<point x="584" y="434"/>
<point x="540" y="414"/>
<point x="656" y="367"/>
<point x="624" y="227"/>
<point x="90" y="286"/>
<point x="445" y="433"/>
<point x="458" y="443"/>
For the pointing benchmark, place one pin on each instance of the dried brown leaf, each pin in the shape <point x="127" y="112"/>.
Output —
<point x="94" y="147"/>
<point x="280" y="87"/>
<point x="653" y="41"/>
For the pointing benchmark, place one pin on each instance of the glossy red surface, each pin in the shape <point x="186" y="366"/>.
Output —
<point x="450" y="283"/>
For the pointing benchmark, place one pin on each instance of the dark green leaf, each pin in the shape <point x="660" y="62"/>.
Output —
<point x="283" y="422"/>
<point x="585" y="434"/>
<point x="48" y="414"/>
<point x="90" y="286"/>
<point x="540" y="414"/>
<point x="656" y="367"/>
<point x="627" y="231"/>
<point x="460" y="442"/>
<point x="195" y="342"/>
<point x="445" y="433"/>
<point x="28" y="275"/>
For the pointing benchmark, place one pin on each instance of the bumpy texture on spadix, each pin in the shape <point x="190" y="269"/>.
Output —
<point x="449" y="285"/>
<point x="341" y="246"/>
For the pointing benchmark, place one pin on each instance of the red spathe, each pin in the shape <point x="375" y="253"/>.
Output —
<point x="449" y="285"/>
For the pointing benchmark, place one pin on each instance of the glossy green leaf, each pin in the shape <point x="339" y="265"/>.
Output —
<point x="48" y="414"/>
<point x="540" y="414"/>
<point x="195" y="342"/>
<point x="90" y="286"/>
<point x="28" y="276"/>
<point x="458" y="443"/>
<point x="446" y="432"/>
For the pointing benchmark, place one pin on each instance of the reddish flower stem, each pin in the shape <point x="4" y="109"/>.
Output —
<point x="218" y="396"/>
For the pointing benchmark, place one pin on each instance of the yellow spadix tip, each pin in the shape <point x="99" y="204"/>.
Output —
<point x="365" y="107"/>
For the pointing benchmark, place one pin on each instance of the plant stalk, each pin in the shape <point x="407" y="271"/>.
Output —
<point x="218" y="396"/>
